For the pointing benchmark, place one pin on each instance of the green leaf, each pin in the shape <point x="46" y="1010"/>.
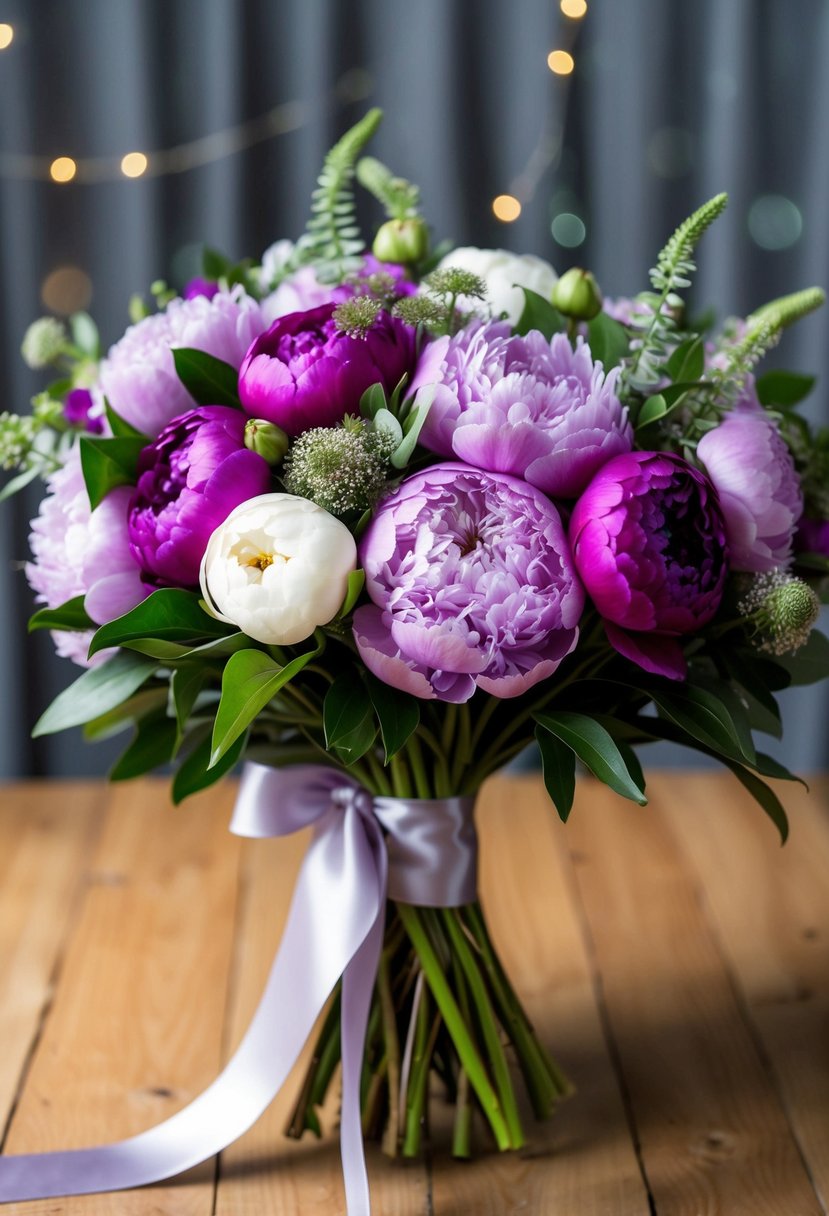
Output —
<point x="372" y="401"/>
<point x="348" y="718"/>
<point x="704" y="716"/>
<point x="539" y="314"/>
<point x="19" y="482"/>
<point x="158" y="648"/>
<point x="197" y="773"/>
<point x="412" y="426"/>
<point x="119" y="718"/>
<point x="186" y="683"/>
<point x="765" y="796"/>
<point x="208" y="380"/>
<point x="810" y="663"/>
<point x="652" y="410"/>
<point x="169" y="613"/>
<point x="215" y="265"/>
<point x="153" y="744"/>
<point x="123" y="429"/>
<point x="608" y="340"/>
<point x="596" y="749"/>
<point x="784" y="388"/>
<point x="385" y="423"/>
<point x="85" y="334"/>
<point x="767" y="766"/>
<point x="107" y="463"/>
<point x="71" y="615"/>
<point x="558" y="765"/>
<point x="397" y="712"/>
<point x="99" y="689"/>
<point x="687" y="362"/>
<point x="250" y="680"/>
<point x="353" y="590"/>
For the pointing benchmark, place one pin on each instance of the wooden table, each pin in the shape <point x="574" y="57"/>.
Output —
<point x="674" y="958"/>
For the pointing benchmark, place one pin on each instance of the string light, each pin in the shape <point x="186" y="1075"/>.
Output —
<point x="134" y="164"/>
<point x="63" y="169"/>
<point x="6" y="35"/>
<point x="575" y="9"/>
<point x="560" y="62"/>
<point x="506" y="208"/>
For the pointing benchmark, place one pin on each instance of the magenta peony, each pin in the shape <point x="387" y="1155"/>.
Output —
<point x="472" y="585"/>
<point x="138" y="375"/>
<point x="522" y="405"/>
<point x="189" y="480"/>
<point x="648" y="540"/>
<point x="303" y="372"/>
<point x="752" y="468"/>
<point x="78" y="552"/>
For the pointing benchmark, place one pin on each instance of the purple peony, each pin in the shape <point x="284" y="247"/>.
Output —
<point x="200" y="287"/>
<point x="648" y="540"/>
<point x="522" y="405"/>
<point x="473" y="586"/>
<point x="139" y="376"/>
<point x="78" y="552"/>
<point x="80" y="409"/>
<point x="303" y="372"/>
<point x="752" y="468"/>
<point x="812" y="536"/>
<point x="189" y="480"/>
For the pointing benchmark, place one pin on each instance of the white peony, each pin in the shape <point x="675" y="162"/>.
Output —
<point x="277" y="567"/>
<point x="505" y="274"/>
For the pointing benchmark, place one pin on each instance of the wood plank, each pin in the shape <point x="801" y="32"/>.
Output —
<point x="583" y="1159"/>
<point x="136" y="1027"/>
<point x="264" y="1172"/>
<point x="46" y="832"/>
<point x="714" y="1137"/>
<point x="770" y="907"/>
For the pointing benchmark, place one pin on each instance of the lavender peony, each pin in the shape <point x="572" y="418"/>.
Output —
<point x="139" y="376"/>
<point x="752" y="468"/>
<point x="522" y="405"/>
<point x="189" y="480"/>
<point x="78" y="552"/>
<point x="473" y="586"/>
<point x="648" y="540"/>
<point x="302" y="290"/>
<point x="303" y="372"/>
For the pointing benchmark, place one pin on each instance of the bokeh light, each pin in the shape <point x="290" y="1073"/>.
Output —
<point x="560" y="62"/>
<point x="6" y="35"/>
<point x="568" y="230"/>
<point x="574" y="8"/>
<point x="66" y="289"/>
<point x="506" y="208"/>
<point x="134" y="164"/>
<point x="774" y="222"/>
<point x="62" y="169"/>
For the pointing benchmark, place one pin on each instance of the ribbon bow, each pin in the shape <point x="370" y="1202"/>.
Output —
<point x="335" y="929"/>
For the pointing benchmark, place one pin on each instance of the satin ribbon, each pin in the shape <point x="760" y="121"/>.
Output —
<point x="334" y="929"/>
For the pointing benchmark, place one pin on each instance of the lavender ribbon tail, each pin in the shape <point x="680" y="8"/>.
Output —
<point x="335" y="926"/>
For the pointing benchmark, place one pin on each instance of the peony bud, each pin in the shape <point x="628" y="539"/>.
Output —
<point x="42" y="342"/>
<point x="577" y="295"/>
<point x="405" y="241"/>
<point x="266" y="439"/>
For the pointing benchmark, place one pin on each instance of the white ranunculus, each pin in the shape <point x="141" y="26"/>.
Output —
<point x="277" y="567"/>
<point x="505" y="274"/>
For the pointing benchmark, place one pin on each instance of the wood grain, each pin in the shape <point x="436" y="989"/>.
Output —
<point x="714" y="1138"/>
<point x="770" y="908"/>
<point x="135" y="1031"/>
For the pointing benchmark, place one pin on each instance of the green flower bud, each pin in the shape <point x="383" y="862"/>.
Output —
<point x="405" y="241"/>
<point x="782" y="610"/>
<point x="43" y="342"/>
<point x="577" y="295"/>
<point x="266" y="440"/>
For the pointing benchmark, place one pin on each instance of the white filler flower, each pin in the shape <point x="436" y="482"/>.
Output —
<point x="504" y="274"/>
<point x="277" y="567"/>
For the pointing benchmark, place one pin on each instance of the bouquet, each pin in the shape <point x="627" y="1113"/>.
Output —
<point x="374" y="519"/>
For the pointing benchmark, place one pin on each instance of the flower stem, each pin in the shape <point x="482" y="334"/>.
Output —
<point x="421" y="779"/>
<point x="392" y="1133"/>
<point x="418" y="1078"/>
<point x="462" y="1129"/>
<point x="467" y="1052"/>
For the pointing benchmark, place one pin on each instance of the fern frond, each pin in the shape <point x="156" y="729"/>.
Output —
<point x="788" y="309"/>
<point x="399" y="197"/>
<point x="332" y="239"/>
<point x="675" y="263"/>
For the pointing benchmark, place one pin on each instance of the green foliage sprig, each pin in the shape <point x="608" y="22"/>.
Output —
<point x="399" y="197"/>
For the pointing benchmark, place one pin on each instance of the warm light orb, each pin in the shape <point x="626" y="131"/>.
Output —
<point x="506" y="208"/>
<point x="63" y="169"/>
<point x="66" y="289"/>
<point x="134" y="164"/>
<point x="561" y="62"/>
<point x="574" y="8"/>
<point x="6" y="35"/>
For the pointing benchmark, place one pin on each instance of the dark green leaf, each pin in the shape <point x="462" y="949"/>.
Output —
<point x="539" y="314"/>
<point x="558" y="764"/>
<point x="765" y="796"/>
<point x="215" y="265"/>
<point x="348" y="718"/>
<point x="704" y="716"/>
<point x="96" y="691"/>
<point x="397" y="712"/>
<point x="123" y="429"/>
<point x="170" y="613"/>
<point x="119" y="718"/>
<point x="107" y="463"/>
<point x="652" y="410"/>
<point x="810" y="663"/>
<point x="687" y="362"/>
<point x="806" y="561"/>
<point x="250" y="680"/>
<point x="607" y="339"/>
<point x="158" y="648"/>
<point x="209" y="381"/>
<point x="186" y="683"/>
<point x="152" y="745"/>
<point x="372" y="401"/>
<point x="71" y="615"/>
<point x="784" y="388"/>
<point x="767" y="766"/>
<point x="596" y="749"/>
<point x="196" y="773"/>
